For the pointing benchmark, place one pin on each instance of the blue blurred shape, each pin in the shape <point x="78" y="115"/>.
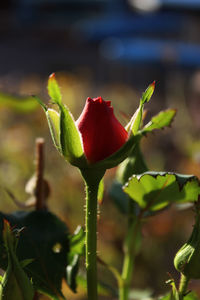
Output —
<point x="139" y="51"/>
<point x="190" y="4"/>
<point x="124" y="24"/>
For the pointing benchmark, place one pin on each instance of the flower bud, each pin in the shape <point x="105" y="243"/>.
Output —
<point x="101" y="132"/>
<point x="187" y="258"/>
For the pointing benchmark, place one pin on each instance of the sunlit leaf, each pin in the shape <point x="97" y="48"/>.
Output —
<point x="140" y="294"/>
<point x="161" y="120"/>
<point x="100" y="192"/>
<point x="77" y="241"/>
<point x="19" y="104"/>
<point x="155" y="190"/>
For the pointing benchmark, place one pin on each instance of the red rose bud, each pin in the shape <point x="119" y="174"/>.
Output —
<point x="101" y="132"/>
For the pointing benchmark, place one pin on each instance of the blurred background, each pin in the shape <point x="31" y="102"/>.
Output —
<point x="113" y="49"/>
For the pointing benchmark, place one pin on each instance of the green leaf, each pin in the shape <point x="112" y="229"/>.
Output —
<point x="133" y="164"/>
<point x="53" y="119"/>
<point x="161" y="120"/>
<point x="40" y="102"/>
<point x="26" y="262"/>
<point x="155" y="190"/>
<point x="54" y="90"/>
<point x="72" y="271"/>
<point x="120" y="198"/>
<point x="140" y="294"/>
<point x="45" y="240"/>
<point x="103" y="288"/>
<point x="77" y="241"/>
<point x="77" y="245"/>
<point x="15" y="283"/>
<point x="19" y="104"/>
<point x="191" y="296"/>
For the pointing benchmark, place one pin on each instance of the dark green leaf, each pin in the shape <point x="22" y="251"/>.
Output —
<point x="45" y="239"/>
<point x="103" y="288"/>
<point x="156" y="190"/>
<point x="15" y="283"/>
<point x="72" y="271"/>
<point x="133" y="164"/>
<point x="77" y="245"/>
<point x="120" y="199"/>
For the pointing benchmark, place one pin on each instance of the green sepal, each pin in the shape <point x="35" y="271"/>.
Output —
<point x="15" y="283"/>
<point x="54" y="90"/>
<point x="116" y="158"/>
<point x="152" y="190"/>
<point x="148" y="93"/>
<point x="136" y="120"/>
<point x="70" y="138"/>
<point x="53" y="119"/>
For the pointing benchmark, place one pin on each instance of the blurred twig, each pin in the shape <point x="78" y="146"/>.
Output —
<point x="40" y="188"/>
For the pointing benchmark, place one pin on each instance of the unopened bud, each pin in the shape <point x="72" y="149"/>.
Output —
<point x="187" y="258"/>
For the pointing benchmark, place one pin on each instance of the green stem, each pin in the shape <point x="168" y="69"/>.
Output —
<point x="130" y="252"/>
<point x="182" y="291"/>
<point x="92" y="179"/>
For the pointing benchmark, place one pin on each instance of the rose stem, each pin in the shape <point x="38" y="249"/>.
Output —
<point x="134" y="224"/>
<point x="183" y="286"/>
<point x="92" y="179"/>
<point x="40" y="205"/>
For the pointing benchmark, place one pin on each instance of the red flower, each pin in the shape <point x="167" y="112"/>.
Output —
<point x="101" y="132"/>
